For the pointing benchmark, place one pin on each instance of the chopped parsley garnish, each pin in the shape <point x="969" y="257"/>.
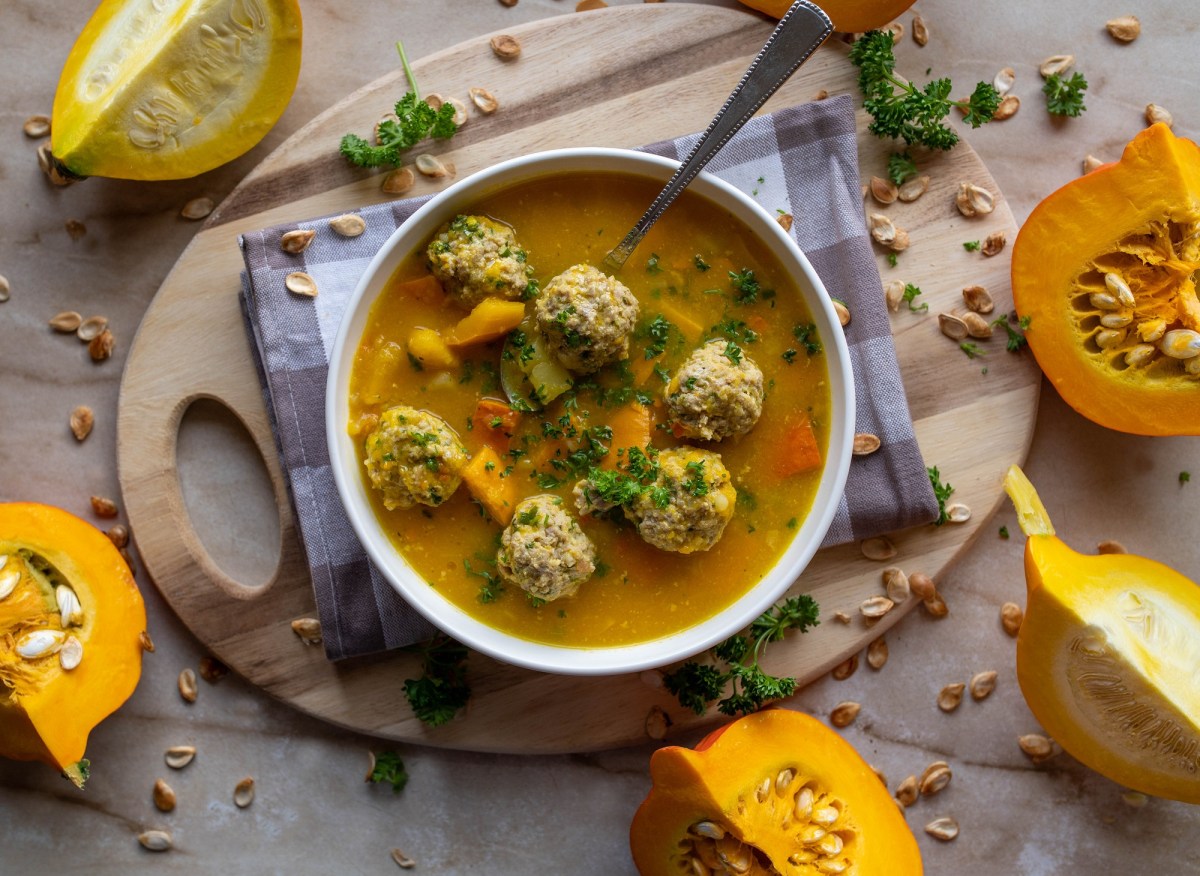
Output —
<point x="972" y="350"/>
<point x="1016" y="337"/>
<point x="892" y="259"/>
<point x="807" y="336"/>
<point x="422" y="439"/>
<point x="389" y="770"/>
<point x="1184" y="477"/>
<point x="694" y="483"/>
<point x="492" y="586"/>
<point x="700" y="263"/>
<point x="747" y="286"/>
<point x="911" y="293"/>
<point x="901" y="167"/>
<point x="658" y="331"/>
<point x="697" y="685"/>
<point x="1004" y="532"/>
<point x="941" y="491"/>
<point x="788" y="355"/>
<point x="1064" y="97"/>
<point x="528" y="517"/>
<point x="971" y="245"/>
<point x="736" y="330"/>
<point x="733" y="353"/>
<point x="652" y="265"/>
<point x="442" y="689"/>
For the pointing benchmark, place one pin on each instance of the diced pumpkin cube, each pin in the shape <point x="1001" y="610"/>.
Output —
<point x="798" y="451"/>
<point x="494" y="421"/>
<point x="425" y="289"/>
<point x="492" y="318"/>
<point x="429" y="348"/>
<point x="497" y="495"/>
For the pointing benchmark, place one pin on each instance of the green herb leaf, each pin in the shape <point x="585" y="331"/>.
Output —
<point x="971" y="246"/>
<point x="972" y="350"/>
<point x="901" y="167"/>
<point x="911" y="293"/>
<point x="442" y="689"/>
<point x="1004" y="532"/>
<point x="1016" y="339"/>
<point x="389" y="769"/>
<point x="942" y="491"/>
<point x="1184" y="477"/>
<point x="1064" y="97"/>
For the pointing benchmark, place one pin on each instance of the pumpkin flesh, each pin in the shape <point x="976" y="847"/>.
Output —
<point x="848" y="16"/>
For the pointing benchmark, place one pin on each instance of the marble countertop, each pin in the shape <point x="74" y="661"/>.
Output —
<point x="486" y="814"/>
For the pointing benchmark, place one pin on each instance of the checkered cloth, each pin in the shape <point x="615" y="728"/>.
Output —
<point x="806" y="160"/>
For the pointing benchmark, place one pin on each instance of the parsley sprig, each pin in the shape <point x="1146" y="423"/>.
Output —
<point x="697" y="685"/>
<point x="942" y="491"/>
<point x="900" y="109"/>
<point x="415" y="120"/>
<point x="901" y="167"/>
<point x="389" y="769"/>
<point x="1064" y="97"/>
<point x="442" y="689"/>
<point x="1016" y="337"/>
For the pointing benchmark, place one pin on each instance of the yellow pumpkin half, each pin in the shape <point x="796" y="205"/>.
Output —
<point x="71" y="620"/>
<point x="1108" y="657"/>
<point x="1105" y="270"/>
<point x="848" y="16"/>
<point x="775" y="792"/>
<point x="170" y="90"/>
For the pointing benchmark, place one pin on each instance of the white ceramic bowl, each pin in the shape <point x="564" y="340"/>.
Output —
<point x="551" y="658"/>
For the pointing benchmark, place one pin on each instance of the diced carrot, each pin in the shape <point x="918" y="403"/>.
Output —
<point x="630" y="428"/>
<point x="425" y="289"/>
<point x="798" y="451"/>
<point x="497" y="495"/>
<point x="494" y="422"/>
<point x="492" y="318"/>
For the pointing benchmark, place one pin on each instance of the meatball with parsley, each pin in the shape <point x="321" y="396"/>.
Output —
<point x="543" y="551"/>
<point x="716" y="394"/>
<point x="475" y="257"/>
<point x="690" y="504"/>
<point x="586" y="317"/>
<point x="413" y="457"/>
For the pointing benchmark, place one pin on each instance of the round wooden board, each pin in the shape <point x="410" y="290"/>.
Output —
<point x="615" y="77"/>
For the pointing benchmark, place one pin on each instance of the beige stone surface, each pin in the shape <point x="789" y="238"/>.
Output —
<point x="467" y="813"/>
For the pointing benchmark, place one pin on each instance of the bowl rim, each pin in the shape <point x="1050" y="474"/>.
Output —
<point x="580" y="660"/>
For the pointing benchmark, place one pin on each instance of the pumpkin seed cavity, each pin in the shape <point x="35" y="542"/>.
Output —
<point x="820" y="827"/>
<point x="39" y="612"/>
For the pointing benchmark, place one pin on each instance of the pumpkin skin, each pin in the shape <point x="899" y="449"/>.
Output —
<point x="1107" y="656"/>
<point x="1136" y="219"/>
<point x="196" y="86"/>
<point x="848" y="16"/>
<point x="725" y="774"/>
<point x="47" y="712"/>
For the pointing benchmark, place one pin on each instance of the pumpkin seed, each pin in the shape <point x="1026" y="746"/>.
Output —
<point x="1104" y="301"/>
<point x="707" y="829"/>
<point x="973" y="200"/>
<point x="197" y="208"/>
<point x="5" y="289"/>
<point x="1116" y="319"/>
<point x="430" y="166"/>
<point x="1181" y="344"/>
<point x="1125" y="28"/>
<point x="179" y="756"/>
<point x="1056" y="65"/>
<point x="1035" y="746"/>
<point x="82" y="420"/>
<point x="212" y="670"/>
<point x="958" y="512"/>
<point x="906" y="792"/>
<point x="1009" y="104"/>
<point x="484" y="100"/>
<point x="8" y="580"/>
<point x="830" y="844"/>
<point x="1090" y="163"/>
<point x="308" y="629"/>
<point x="657" y="723"/>
<point x="841" y="617"/>
<point x="1107" y="339"/>
<point x="896" y="584"/>
<point x="936" y="606"/>
<point x="883" y="230"/>
<point x="994" y="243"/>
<point x="399" y="181"/>
<point x="300" y="283"/>
<point x="164" y="796"/>
<point x="1156" y="114"/>
<point x="982" y="684"/>
<point x="784" y="220"/>
<point x="944" y="828"/>
<point x="935" y="780"/>
<point x="843" y="714"/>
<point x="877" y="655"/>
<point x="89" y="329"/>
<point x="70" y="612"/>
<point x="66" y="322"/>
<point x="1011" y="616"/>
<point x="1119" y="289"/>
<point x="922" y="586"/>
<point x="243" y="793"/>
<point x="460" y="111"/>
<point x="348" y="225"/>
<point x="1005" y="80"/>
<point x="977" y="299"/>
<point x="865" y="444"/>
<point x="187" y="686"/>
<point x="896" y="29"/>
<point x="1151" y="330"/>
<point x="901" y="243"/>
<point x="1110" y="546"/>
<point x="950" y="696"/>
<point x="296" y="241"/>
<point x="101" y="346"/>
<point x="103" y="507"/>
<point x="505" y="47"/>
<point x="588" y="5"/>
<point x="822" y="95"/>
<point x="977" y="326"/>
<point x="913" y="189"/>
<point x="37" y="126"/>
<point x="783" y="779"/>
<point x="71" y="653"/>
<point x="876" y="607"/>
<point x="146" y="643"/>
<point x="75" y="229"/>
<point x="883" y="190"/>
<point x="878" y="547"/>
<point x="920" y="30"/>
<point x="155" y="840"/>
<point x="952" y="326"/>
<point x="842" y="311"/>
<point x="804" y="803"/>
<point x="846" y="668"/>
<point x="40" y="643"/>
<point x="402" y="860"/>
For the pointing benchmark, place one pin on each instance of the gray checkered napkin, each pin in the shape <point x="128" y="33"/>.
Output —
<point x="801" y="159"/>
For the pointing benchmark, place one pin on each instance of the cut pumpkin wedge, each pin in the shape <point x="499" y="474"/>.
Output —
<point x="167" y="89"/>
<point x="1108" y="657"/>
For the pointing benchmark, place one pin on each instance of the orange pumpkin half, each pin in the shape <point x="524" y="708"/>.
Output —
<point x="1105" y="270"/>
<point x="848" y="16"/>
<point x="775" y="792"/>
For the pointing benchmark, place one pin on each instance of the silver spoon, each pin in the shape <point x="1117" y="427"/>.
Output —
<point x="795" y="38"/>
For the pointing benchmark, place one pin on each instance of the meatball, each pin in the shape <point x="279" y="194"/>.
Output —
<point x="543" y="551"/>
<point x="586" y="317"/>
<point x="689" y="506"/>
<point x="717" y="393"/>
<point x="413" y="457"/>
<point x="475" y="258"/>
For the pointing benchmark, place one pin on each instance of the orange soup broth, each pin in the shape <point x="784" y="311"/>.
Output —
<point x="639" y="592"/>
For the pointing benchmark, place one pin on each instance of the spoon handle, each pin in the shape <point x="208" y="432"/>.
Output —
<point x="798" y="34"/>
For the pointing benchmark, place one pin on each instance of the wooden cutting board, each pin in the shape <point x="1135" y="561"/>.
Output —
<point x="615" y="77"/>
